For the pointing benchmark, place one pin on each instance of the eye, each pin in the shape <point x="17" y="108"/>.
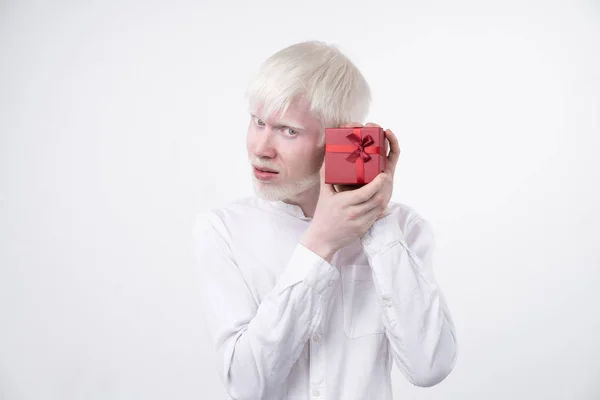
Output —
<point x="258" y="121"/>
<point x="290" y="131"/>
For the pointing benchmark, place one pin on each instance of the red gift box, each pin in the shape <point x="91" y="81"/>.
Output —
<point x="354" y="156"/>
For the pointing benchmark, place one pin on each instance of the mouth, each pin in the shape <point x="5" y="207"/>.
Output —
<point x="264" y="174"/>
<point x="267" y="170"/>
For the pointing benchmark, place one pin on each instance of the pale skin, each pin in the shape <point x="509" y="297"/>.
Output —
<point x="290" y="145"/>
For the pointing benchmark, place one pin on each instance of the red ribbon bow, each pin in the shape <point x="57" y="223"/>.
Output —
<point x="361" y="147"/>
<point x="359" y="151"/>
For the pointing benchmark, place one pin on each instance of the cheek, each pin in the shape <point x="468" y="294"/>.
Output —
<point x="249" y="139"/>
<point x="318" y="157"/>
<point x="309" y="162"/>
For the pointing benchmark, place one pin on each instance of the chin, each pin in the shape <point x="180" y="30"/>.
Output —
<point x="271" y="192"/>
<point x="286" y="191"/>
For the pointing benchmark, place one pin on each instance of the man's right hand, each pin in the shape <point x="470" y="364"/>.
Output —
<point x="343" y="217"/>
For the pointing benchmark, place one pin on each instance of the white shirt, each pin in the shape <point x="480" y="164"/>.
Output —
<point x="287" y="325"/>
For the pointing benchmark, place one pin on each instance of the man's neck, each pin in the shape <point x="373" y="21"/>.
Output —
<point x="307" y="201"/>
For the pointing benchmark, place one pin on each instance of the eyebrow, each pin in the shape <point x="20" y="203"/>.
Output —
<point x="283" y="123"/>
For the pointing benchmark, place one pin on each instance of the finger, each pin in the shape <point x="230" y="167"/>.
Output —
<point x="372" y="125"/>
<point x="394" y="154"/>
<point x="365" y="193"/>
<point x="380" y="200"/>
<point x="370" y="216"/>
<point x="325" y="187"/>
<point x="383" y="213"/>
<point x="362" y="208"/>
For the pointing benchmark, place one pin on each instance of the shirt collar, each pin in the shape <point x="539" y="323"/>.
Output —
<point x="288" y="208"/>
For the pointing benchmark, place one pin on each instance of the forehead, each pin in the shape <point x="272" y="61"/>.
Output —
<point x="297" y="114"/>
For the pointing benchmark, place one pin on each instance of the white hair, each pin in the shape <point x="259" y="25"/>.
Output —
<point x="334" y="88"/>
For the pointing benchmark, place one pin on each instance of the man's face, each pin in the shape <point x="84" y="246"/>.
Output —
<point x="291" y="146"/>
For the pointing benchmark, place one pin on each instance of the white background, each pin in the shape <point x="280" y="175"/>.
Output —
<point x="121" y="120"/>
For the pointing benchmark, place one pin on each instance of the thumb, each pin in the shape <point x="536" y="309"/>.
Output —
<point x="325" y="187"/>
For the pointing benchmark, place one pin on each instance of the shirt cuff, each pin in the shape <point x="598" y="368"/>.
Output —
<point x="306" y="266"/>
<point x="382" y="235"/>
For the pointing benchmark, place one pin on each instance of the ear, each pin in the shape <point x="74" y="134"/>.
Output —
<point x="325" y="187"/>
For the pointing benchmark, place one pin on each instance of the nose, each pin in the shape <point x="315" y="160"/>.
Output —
<point x="263" y="144"/>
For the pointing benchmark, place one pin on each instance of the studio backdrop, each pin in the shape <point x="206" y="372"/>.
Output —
<point x="120" y="121"/>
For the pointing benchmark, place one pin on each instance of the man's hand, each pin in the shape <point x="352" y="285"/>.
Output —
<point x="343" y="216"/>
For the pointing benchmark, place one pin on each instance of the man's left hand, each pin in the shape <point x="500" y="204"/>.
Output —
<point x="385" y="193"/>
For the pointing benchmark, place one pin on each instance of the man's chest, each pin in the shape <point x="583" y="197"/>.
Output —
<point x="354" y="308"/>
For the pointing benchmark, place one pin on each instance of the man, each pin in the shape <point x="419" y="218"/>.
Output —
<point x="312" y="292"/>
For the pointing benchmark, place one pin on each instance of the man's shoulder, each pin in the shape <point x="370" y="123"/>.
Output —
<point x="405" y="214"/>
<point x="237" y="209"/>
<point x="238" y="205"/>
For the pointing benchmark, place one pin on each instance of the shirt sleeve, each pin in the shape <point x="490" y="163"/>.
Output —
<point x="258" y="344"/>
<point x="418" y="323"/>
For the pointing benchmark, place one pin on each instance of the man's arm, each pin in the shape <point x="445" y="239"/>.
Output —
<point x="258" y="344"/>
<point x="417" y="320"/>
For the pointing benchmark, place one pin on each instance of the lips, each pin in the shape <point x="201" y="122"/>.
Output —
<point x="264" y="174"/>
<point x="261" y="169"/>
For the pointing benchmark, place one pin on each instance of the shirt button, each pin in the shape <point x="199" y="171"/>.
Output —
<point x="330" y="283"/>
<point x="316" y="338"/>
<point x="316" y="393"/>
